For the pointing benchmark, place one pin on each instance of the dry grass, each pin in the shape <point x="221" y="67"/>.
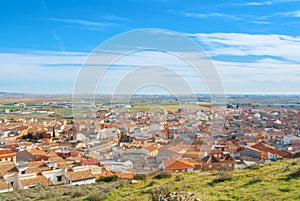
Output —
<point x="273" y="181"/>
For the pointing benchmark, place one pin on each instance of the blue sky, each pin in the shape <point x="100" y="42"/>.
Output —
<point x="255" y="45"/>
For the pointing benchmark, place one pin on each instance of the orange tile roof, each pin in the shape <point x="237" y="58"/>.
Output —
<point x="152" y="147"/>
<point x="130" y="125"/>
<point x="4" y="185"/>
<point x="39" y="179"/>
<point x="281" y="153"/>
<point x="216" y="151"/>
<point x="193" y="153"/>
<point x="178" y="164"/>
<point x="51" y="154"/>
<point x="36" y="167"/>
<point x="125" y="175"/>
<point x="36" y="152"/>
<point x="6" y="153"/>
<point x="80" y="175"/>
<point x="26" y="144"/>
<point x="60" y="162"/>
<point x="8" y="168"/>
<point x="178" y="148"/>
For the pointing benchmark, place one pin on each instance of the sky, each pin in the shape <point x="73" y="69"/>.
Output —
<point x="254" y="45"/>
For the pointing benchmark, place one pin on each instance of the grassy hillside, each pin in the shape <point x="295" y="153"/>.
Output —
<point x="272" y="181"/>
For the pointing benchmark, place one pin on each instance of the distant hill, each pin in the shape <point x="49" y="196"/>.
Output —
<point x="272" y="181"/>
<point x="6" y="94"/>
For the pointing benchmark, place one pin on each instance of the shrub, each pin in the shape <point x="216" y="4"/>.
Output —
<point x="284" y="189"/>
<point x="158" y="192"/>
<point x="163" y="175"/>
<point x="294" y="162"/>
<point x="294" y="175"/>
<point x="78" y="193"/>
<point x="254" y="167"/>
<point x="68" y="191"/>
<point x="286" y="168"/>
<point x="140" y="177"/>
<point x="107" y="188"/>
<point x="119" y="183"/>
<point x="97" y="196"/>
<point x="224" y="174"/>
<point x="254" y="180"/>
<point x="178" y="178"/>
<point x="46" y="196"/>
<point x="151" y="183"/>
<point x="108" y="178"/>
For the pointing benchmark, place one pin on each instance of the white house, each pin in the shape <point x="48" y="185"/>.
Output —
<point x="288" y="139"/>
<point x="80" y="175"/>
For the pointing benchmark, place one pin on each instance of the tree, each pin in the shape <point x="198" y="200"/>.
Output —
<point x="53" y="132"/>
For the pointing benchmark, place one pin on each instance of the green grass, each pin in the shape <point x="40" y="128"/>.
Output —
<point x="272" y="181"/>
<point x="169" y="103"/>
<point x="144" y="109"/>
<point x="10" y="108"/>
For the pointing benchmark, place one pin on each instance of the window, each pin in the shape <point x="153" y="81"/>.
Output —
<point x="59" y="178"/>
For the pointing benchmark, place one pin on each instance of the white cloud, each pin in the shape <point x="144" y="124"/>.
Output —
<point x="239" y="44"/>
<point x="260" y="22"/>
<point x="80" y="23"/>
<point x="112" y="17"/>
<point x="292" y="14"/>
<point x="255" y="63"/>
<point x="259" y="3"/>
<point x="246" y="18"/>
<point x="28" y="72"/>
<point x="265" y="64"/>
<point x="262" y="76"/>
<point x="210" y="15"/>
<point x="264" y="3"/>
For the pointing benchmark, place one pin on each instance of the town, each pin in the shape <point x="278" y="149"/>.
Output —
<point x="44" y="144"/>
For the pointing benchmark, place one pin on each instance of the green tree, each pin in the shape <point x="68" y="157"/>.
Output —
<point x="53" y="132"/>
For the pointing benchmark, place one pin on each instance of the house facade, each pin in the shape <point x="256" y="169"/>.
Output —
<point x="216" y="160"/>
<point x="177" y="165"/>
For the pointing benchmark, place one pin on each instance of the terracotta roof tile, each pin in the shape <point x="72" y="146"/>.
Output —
<point x="178" y="164"/>
<point x="40" y="179"/>
<point x="36" y="152"/>
<point x="4" y="185"/>
<point x="213" y="159"/>
<point x="6" y="153"/>
<point x="8" y="168"/>
<point x="61" y="162"/>
<point x="90" y="162"/>
<point x="36" y="167"/>
<point x="80" y="175"/>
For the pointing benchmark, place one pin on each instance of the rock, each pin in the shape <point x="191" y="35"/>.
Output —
<point x="134" y="181"/>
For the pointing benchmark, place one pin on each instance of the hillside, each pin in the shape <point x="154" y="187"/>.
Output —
<point x="272" y="181"/>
